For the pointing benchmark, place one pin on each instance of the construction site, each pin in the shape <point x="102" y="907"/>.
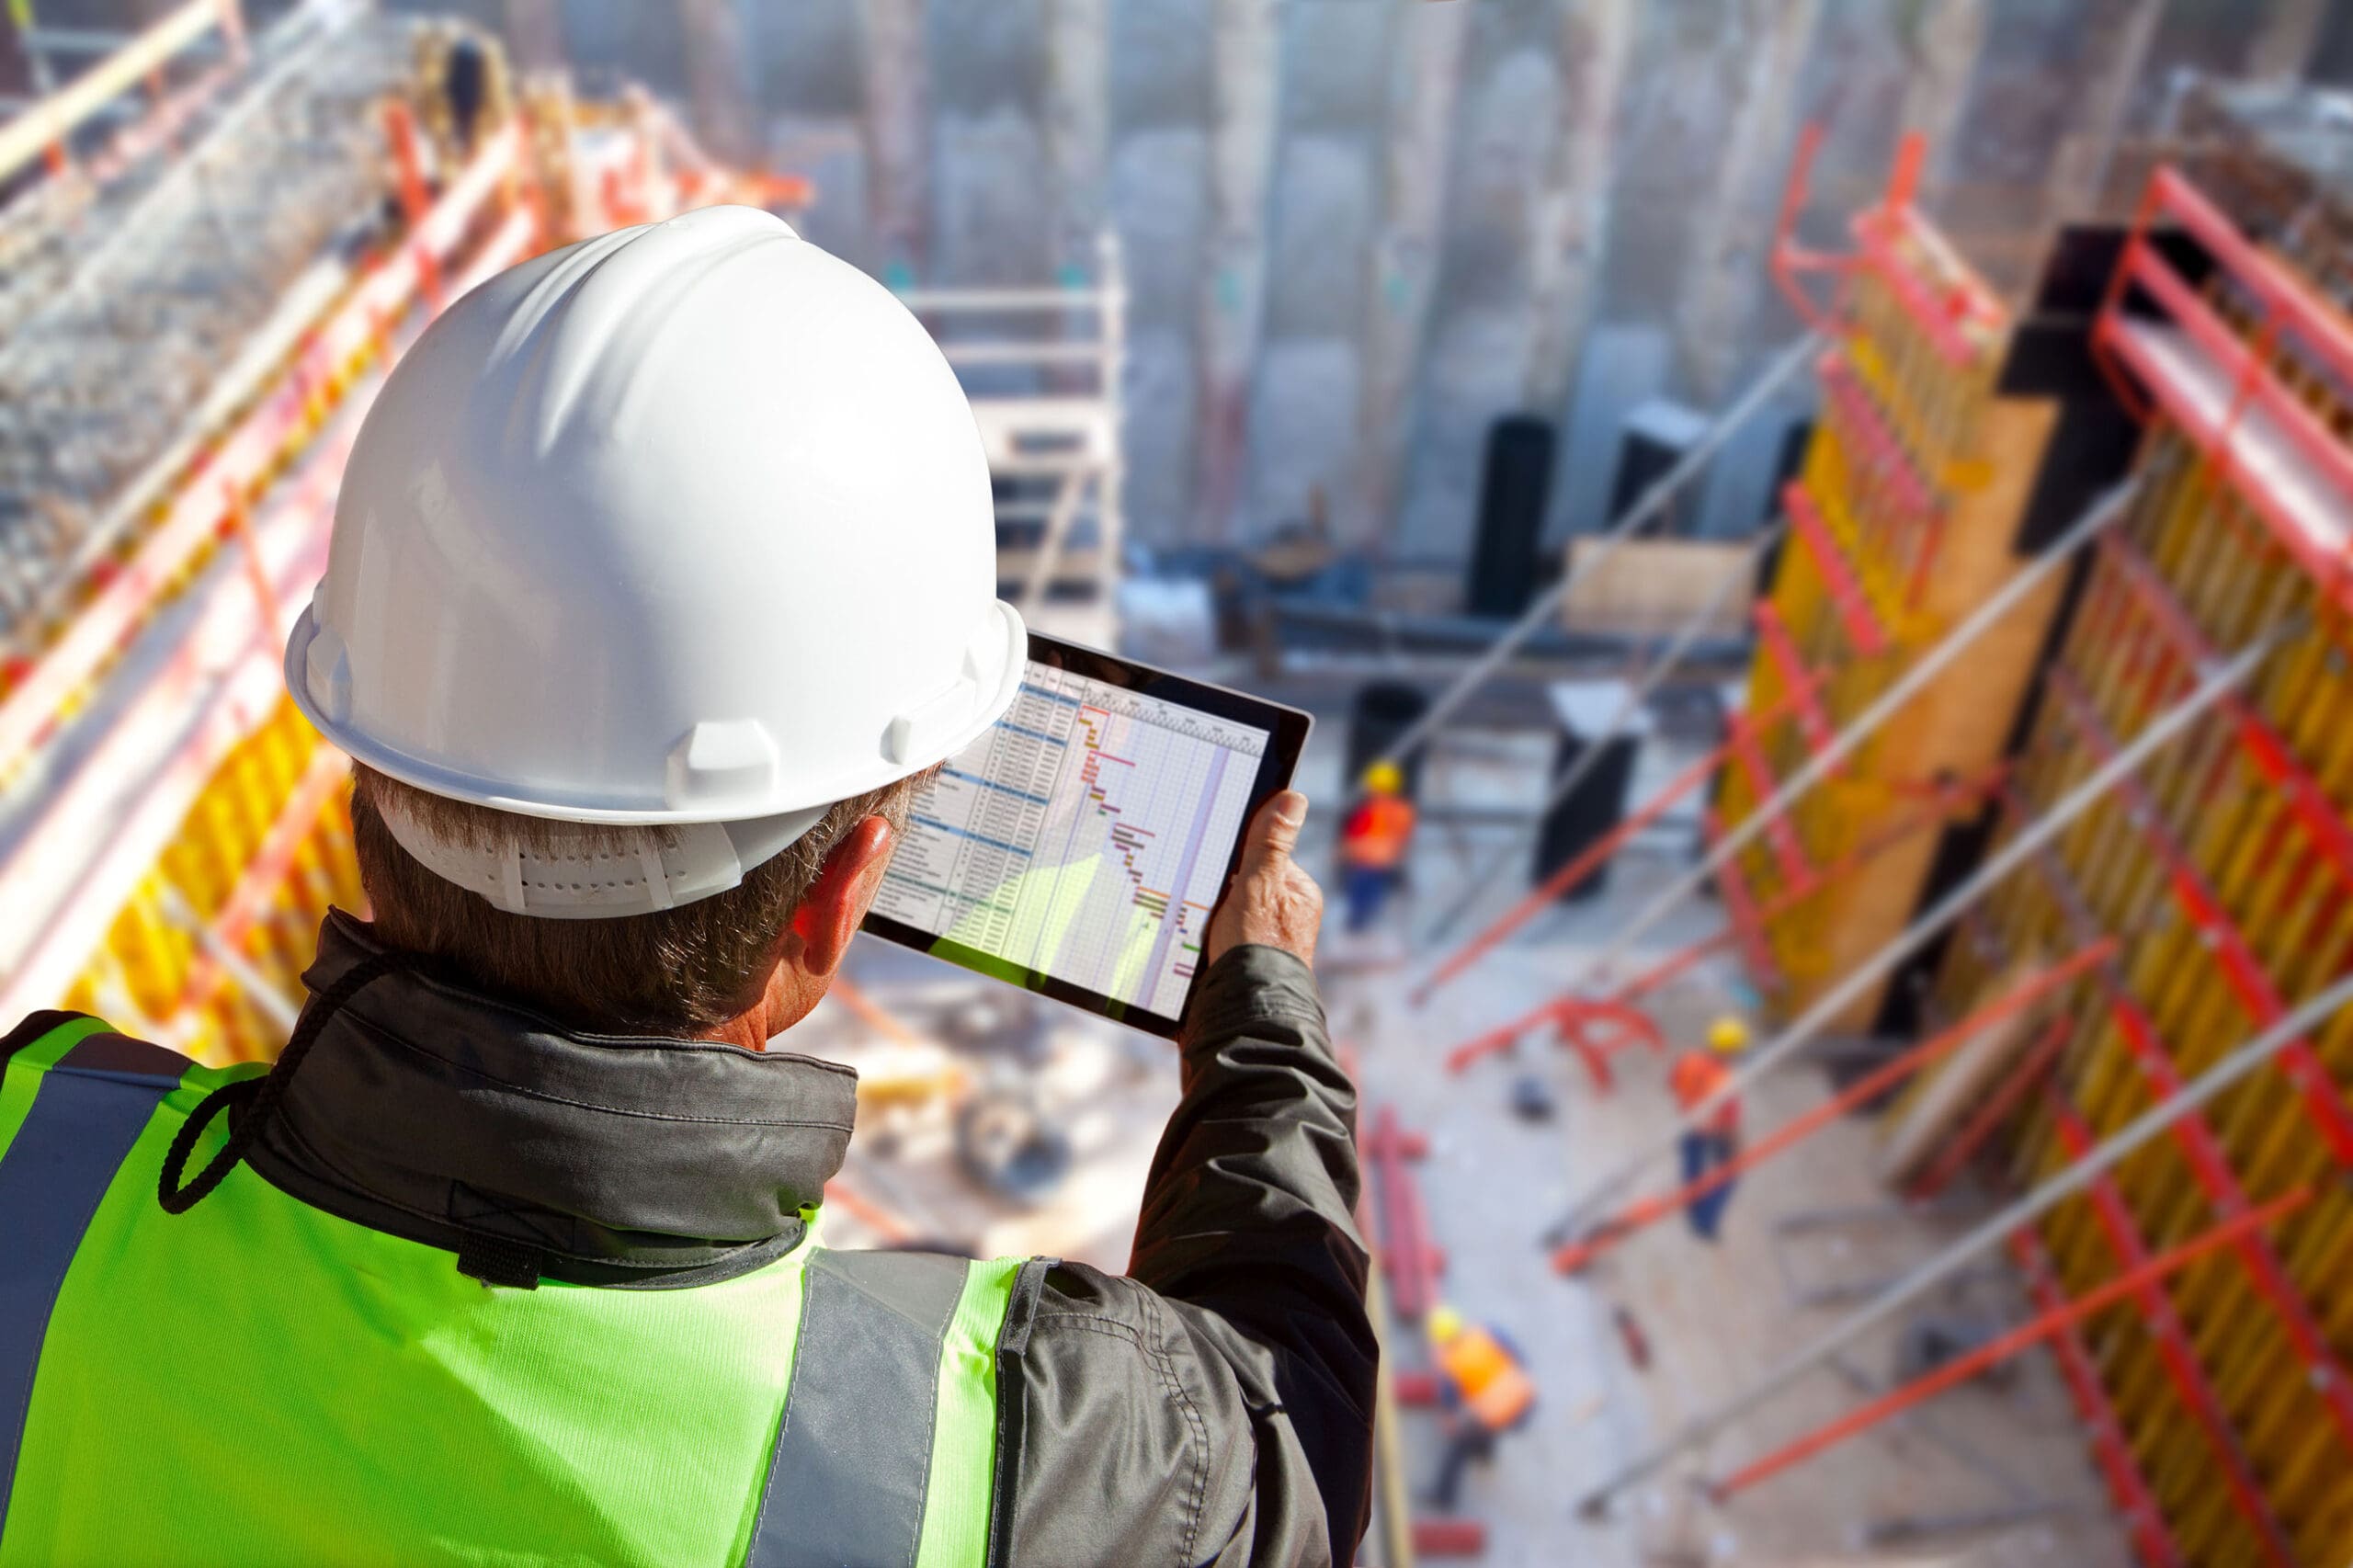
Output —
<point x="1839" y="518"/>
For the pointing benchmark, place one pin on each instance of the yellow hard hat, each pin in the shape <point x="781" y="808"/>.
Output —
<point x="1385" y="777"/>
<point x="1727" y="1035"/>
<point x="1445" y="1323"/>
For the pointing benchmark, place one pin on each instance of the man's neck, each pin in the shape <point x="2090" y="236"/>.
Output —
<point x="792" y="993"/>
<point x="744" y="1029"/>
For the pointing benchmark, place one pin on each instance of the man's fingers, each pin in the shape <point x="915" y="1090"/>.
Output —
<point x="1275" y="830"/>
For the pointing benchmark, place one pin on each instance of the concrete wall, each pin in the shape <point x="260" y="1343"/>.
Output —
<point x="1337" y="253"/>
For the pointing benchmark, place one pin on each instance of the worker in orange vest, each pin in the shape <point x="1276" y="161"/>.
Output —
<point x="1695" y="1075"/>
<point x="1373" y="842"/>
<point x="1485" y="1388"/>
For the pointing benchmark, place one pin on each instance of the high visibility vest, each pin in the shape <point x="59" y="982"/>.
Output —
<point x="258" y="1380"/>
<point x="1377" y="832"/>
<point x="1494" y="1388"/>
<point x="1695" y="1075"/>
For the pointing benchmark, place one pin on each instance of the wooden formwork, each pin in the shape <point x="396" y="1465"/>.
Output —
<point x="2225" y="872"/>
<point x="1907" y="517"/>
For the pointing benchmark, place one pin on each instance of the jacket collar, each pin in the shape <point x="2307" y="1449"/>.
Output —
<point x="450" y="1117"/>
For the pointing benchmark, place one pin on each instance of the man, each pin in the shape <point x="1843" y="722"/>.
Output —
<point x="1695" y="1078"/>
<point x="663" y="571"/>
<point x="1373" y="842"/>
<point x="1486" y="1390"/>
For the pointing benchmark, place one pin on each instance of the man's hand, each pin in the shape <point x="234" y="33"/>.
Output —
<point x="1270" y="902"/>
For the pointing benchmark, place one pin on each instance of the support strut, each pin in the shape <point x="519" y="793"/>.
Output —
<point x="2200" y="1092"/>
<point x="2095" y="520"/>
<point x="2165" y="727"/>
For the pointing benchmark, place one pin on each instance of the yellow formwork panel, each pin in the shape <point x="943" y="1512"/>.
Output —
<point x="1906" y="523"/>
<point x="1937" y="407"/>
<point x="2208" y="829"/>
<point x="262" y="854"/>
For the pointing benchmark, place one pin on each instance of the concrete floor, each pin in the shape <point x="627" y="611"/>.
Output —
<point x="1716" y="1317"/>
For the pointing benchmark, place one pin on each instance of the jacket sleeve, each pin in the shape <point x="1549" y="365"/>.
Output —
<point x="1249" y="1214"/>
<point x="1215" y="1406"/>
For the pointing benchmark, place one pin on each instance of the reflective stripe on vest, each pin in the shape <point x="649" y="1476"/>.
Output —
<point x="72" y="1103"/>
<point x="853" y="1451"/>
<point x="828" y="1407"/>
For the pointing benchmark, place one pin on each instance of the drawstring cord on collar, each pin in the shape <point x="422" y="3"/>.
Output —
<point x="259" y="1098"/>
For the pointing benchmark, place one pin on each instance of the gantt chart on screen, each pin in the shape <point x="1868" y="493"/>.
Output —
<point x="1085" y="836"/>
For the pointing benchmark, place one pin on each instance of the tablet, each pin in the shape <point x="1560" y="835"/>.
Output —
<point x="1077" y="848"/>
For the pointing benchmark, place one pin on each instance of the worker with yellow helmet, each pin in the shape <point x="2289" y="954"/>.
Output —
<point x="1485" y="1388"/>
<point x="1373" y="842"/>
<point x="1697" y="1078"/>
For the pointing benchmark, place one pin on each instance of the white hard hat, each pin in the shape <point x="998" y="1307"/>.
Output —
<point x="688" y="524"/>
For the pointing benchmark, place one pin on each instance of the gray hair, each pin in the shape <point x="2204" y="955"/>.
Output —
<point x="674" y="972"/>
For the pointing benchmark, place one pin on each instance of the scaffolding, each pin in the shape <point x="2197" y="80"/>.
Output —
<point x="2161" y="865"/>
<point x="2213" y="874"/>
<point x="1042" y="367"/>
<point x="171" y="831"/>
<point x="161" y="315"/>
<point x="2225" y="874"/>
<point x="1918" y="503"/>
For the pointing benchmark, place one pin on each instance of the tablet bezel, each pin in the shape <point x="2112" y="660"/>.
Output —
<point x="1288" y="729"/>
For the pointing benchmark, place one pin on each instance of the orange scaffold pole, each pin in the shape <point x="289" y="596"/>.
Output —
<point x="1595" y="854"/>
<point x="1562" y="1011"/>
<point x="2189" y="1100"/>
<point x="1576" y="1255"/>
<point x="2025" y="1335"/>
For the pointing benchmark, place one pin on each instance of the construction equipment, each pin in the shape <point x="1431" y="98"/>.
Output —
<point x="2228" y="1442"/>
<point x="2233" y="1067"/>
<point x="2168" y="725"/>
<point x="2216" y="1401"/>
<point x="2037" y="989"/>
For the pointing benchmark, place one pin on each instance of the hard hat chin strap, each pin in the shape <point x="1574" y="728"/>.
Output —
<point x="600" y="870"/>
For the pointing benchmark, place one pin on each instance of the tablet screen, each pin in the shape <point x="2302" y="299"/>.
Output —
<point x="1084" y="839"/>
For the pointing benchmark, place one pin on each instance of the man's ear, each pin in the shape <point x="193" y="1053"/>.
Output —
<point x="836" y="904"/>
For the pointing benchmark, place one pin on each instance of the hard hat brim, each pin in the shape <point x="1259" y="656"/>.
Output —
<point x="945" y="736"/>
